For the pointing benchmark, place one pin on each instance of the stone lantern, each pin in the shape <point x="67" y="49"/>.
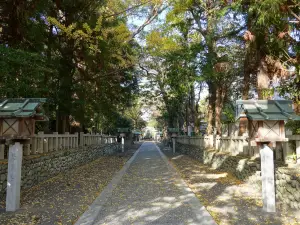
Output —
<point x="173" y="133"/>
<point x="137" y="134"/>
<point x="17" y="125"/>
<point x="122" y="132"/>
<point x="18" y="116"/>
<point x="266" y="129"/>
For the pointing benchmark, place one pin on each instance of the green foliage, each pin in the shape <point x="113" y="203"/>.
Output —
<point x="81" y="55"/>
<point x="75" y="53"/>
<point x="290" y="88"/>
<point x="268" y="93"/>
<point x="229" y="113"/>
<point x="293" y="126"/>
<point x="134" y="114"/>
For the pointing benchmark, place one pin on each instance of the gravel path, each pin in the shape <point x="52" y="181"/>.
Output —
<point x="229" y="200"/>
<point x="151" y="192"/>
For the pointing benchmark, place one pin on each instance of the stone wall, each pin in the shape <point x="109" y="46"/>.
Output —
<point x="288" y="187"/>
<point x="287" y="179"/>
<point x="37" y="168"/>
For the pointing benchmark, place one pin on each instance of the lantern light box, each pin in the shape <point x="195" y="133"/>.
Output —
<point x="123" y="131"/>
<point x="174" y="131"/>
<point x="18" y="116"/>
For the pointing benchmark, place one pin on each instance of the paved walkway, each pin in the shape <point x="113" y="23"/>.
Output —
<point x="147" y="191"/>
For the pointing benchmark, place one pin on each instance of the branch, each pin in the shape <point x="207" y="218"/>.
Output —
<point x="197" y="19"/>
<point x="294" y="14"/>
<point x="147" y="71"/>
<point x="126" y="10"/>
<point x="155" y="12"/>
<point x="104" y="75"/>
<point x="143" y="68"/>
<point x="231" y="33"/>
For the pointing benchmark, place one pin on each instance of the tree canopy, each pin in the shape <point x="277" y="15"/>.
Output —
<point x="99" y="63"/>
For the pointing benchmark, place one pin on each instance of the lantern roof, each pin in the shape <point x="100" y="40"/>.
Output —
<point x="124" y="130"/>
<point x="173" y="130"/>
<point x="266" y="110"/>
<point x="21" y="107"/>
<point x="136" y="132"/>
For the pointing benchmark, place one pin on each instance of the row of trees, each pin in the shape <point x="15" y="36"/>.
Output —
<point x="234" y="49"/>
<point x="79" y="54"/>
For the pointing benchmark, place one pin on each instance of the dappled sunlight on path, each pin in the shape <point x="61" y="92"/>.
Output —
<point x="229" y="200"/>
<point x="151" y="193"/>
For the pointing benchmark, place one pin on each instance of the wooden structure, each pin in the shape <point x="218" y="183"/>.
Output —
<point x="136" y="134"/>
<point x="18" y="116"/>
<point x="266" y="119"/>
<point x="173" y="131"/>
<point x="17" y="125"/>
<point x="266" y="128"/>
<point x="123" y="131"/>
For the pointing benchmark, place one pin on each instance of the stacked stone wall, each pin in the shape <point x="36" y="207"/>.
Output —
<point x="38" y="168"/>
<point x="244" y="168"/>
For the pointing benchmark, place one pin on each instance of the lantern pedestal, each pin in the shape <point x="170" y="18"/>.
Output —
<point x="122" y="141"/>
<point x="122" y="132"/>
<point x="14" y="177"/>
<point x="190" y="131"/>
<point x="174" y="141"/>
<point x="267" y="175"/>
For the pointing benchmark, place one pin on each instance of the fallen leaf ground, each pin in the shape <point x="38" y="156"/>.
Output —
<point x="63" y="198"/>
<point x="228" y="200"/>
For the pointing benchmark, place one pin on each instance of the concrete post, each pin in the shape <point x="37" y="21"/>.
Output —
<point x="76" y="139"/>
<point x="189" y="131"/>
<point x="267" y="176"/>
<point x="298" y="151"/>
<point x="50" y="139"/>
<point x="174" y="141"/>
<point x="46" y="144"/>
<point x="26" y="149"/>
<point x="287" y="152"/>
<point x="56" y="141"/>
<point x="41" y="142"/>
<point x="67" y="140"/>
<point x="81" y="139"/>
<point x="33" y="145"/>
<point x="218" y="142"/>
<point x="122" y="144"/>
<point x="14" y="177"/>
<point x="2" y="148"/>
<point x="212" y="141"/>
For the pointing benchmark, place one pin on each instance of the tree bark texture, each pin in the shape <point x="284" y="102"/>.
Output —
<point x="211" y="107"/>
<point x="220" y="98"/>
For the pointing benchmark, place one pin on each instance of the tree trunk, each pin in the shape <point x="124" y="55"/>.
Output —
<point x="263" y="80"/>
<point x="220" y="97"/>
<point x="192" y="108"/>
<point x="211" y="107"/>
<point x="247" y="73"/>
